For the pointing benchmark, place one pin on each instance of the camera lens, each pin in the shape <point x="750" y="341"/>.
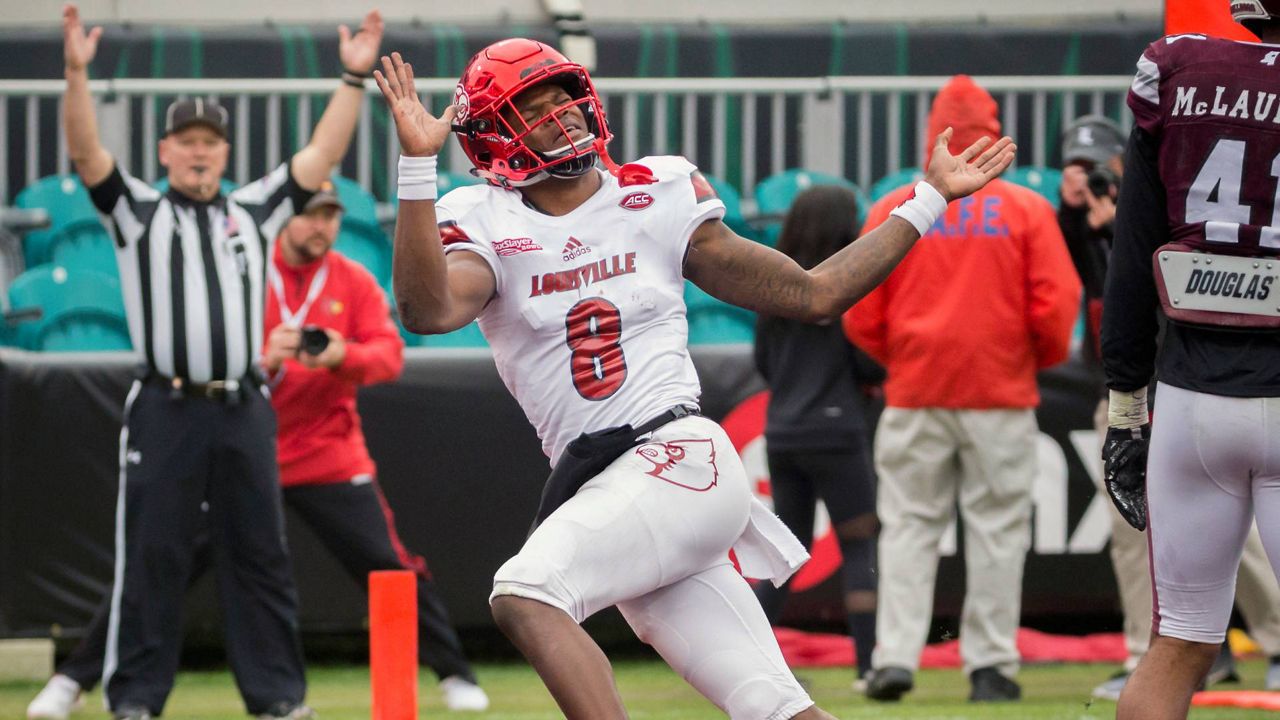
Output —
<point x="1102" y="182"/>
<point x="314" y="340"/>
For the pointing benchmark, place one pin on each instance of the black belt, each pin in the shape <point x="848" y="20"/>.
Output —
<point x="225" y="391"/>
<point x="590" y="453"/>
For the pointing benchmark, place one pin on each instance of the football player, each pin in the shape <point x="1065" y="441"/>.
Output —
<point x="575" y="268"/>
<point x="1197" y="232"/>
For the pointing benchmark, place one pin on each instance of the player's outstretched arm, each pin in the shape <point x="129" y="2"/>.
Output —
<point x="434" y="294"/>
<point x="762" y="279"/>
<point x="328" y="145"/>
<point x="93" y="162"/>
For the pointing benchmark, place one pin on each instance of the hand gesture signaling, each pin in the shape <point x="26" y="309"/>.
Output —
<point x="359" y="52"/>
<point x="421" y="133"/>
<point x="78" y="48"/>
<point x="955" y="176"/>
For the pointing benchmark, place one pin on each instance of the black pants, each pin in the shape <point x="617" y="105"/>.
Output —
<point x="357" y="525"/>
<point x="846" y="484"/>
<point x="179" y="454"/>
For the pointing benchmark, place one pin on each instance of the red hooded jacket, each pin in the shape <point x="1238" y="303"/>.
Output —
<point x="985" y="299"/>
<point x="319" y="438"/>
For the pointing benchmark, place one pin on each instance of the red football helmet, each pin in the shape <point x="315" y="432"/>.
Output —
<point x="495" y="141"/>
<point x="1249" y="12"/>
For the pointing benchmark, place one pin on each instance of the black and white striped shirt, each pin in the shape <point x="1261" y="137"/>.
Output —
<point x="192" y="273"/>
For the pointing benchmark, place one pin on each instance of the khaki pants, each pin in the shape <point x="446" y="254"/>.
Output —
<point x="928" y="459"/>
<point x="1257" y="593"/>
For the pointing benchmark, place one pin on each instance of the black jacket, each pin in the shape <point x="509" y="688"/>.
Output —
<point x="817" y="381"/>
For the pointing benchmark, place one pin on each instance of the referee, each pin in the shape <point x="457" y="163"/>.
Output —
<point x="198" y="427"/>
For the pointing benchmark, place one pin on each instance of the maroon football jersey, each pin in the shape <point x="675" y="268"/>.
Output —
<point x="1212" y="104"/>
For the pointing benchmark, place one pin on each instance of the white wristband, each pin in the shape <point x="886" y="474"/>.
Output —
<point x="923" y="209"/>
<point x="1127" y="410"/>
<point x="416" y="178"/>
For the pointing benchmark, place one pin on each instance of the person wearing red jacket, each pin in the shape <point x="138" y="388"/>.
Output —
<point x="987" y="298"/>
<point x="328" y="477"/>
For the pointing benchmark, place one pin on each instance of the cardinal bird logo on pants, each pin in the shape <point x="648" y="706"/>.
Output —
<point x="690" y="464"/>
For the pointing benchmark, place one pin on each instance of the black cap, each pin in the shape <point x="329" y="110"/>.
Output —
<point x="326" y="196"/>
<point x="195" y="111"/>
<point x="1092" y="138"/>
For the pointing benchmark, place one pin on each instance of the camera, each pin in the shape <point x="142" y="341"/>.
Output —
<point x="1102" y="182"/>
<point x="314" y="340"/>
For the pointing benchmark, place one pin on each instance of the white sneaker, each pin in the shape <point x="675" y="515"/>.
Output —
<point x="1111" y="689"/>
<point x="459" y="694"/>
<point x="60" y="696"/>
<point x="1273" y="675"/>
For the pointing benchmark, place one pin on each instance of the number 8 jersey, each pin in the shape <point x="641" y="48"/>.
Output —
<point x="587" y="323"/>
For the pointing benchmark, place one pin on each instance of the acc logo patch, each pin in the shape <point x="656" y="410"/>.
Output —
<point x="336" y="307"/>
<point x="463" y="103"/>
<point x="636" y="201"/>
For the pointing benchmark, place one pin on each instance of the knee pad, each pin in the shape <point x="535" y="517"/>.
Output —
<point x="858" y="567"/>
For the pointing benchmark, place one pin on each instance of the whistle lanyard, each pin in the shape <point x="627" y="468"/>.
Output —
<point x="295" y="318"/>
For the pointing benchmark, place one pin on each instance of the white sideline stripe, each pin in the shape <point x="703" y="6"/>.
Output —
<point x="117" y="586"/>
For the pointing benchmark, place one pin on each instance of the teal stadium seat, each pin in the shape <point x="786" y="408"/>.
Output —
<point x="446" y="181"/>
<point x="775" y="194"/>
<point x="368" y="246"/>
<point x="893" y="181"/>
<point x="732" y="200"/>
<point x="712" y="321"/>
<point x="466" y="336"/>
<point x="71" y="212"/>
<point x="358" y="205"/>
<point x="1043" y="180"/>
<point x="87" y="251"/>
<point x="82" y="310"/>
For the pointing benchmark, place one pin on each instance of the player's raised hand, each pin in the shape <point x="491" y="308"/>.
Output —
<point x="956" y="176"/>
<point x="420" y="132"/>
<point x="359" y="52"/>
<point x="78" y="47"/>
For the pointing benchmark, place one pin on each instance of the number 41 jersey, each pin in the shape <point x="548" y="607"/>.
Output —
<point x="588" y="324"/>
<point x="1214" y="107"/>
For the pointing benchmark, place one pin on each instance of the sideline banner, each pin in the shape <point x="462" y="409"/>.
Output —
<point x="462" y="469"/>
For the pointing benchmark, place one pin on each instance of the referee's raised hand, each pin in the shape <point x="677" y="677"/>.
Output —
<point x="359" y="51"/>
<point x="78" y="47"/>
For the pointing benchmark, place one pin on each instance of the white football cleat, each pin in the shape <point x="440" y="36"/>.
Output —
<point x="461" y="694"/>
<point x="57" y="700"/>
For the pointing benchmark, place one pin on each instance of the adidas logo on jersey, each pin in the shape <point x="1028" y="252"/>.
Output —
<point x="574" y="249"/>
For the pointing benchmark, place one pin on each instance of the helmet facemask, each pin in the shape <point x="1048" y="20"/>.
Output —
<point x="498" y="139"/>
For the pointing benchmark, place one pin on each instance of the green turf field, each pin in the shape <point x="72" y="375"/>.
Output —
<point x="1058" y="692"/>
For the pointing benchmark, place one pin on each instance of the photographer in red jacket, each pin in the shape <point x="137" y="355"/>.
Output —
<point x="329" y="331"/>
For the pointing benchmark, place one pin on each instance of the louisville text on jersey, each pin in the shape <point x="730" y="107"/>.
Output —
<point x="583" y="275"/>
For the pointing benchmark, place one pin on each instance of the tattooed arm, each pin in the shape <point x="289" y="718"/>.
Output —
<point x="762" y="279"/>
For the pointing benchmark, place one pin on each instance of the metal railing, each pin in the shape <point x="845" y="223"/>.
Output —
<point x="739" y="129"/>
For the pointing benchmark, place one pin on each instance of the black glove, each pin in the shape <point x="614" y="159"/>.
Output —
<point x="1124" y="455"/>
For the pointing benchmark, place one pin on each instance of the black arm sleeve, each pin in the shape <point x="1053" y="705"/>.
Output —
<point x="1130" y="304"/>
<point x="105" y="194"/>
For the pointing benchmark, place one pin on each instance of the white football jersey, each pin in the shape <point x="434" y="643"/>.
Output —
<point x="588" y="324"/>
